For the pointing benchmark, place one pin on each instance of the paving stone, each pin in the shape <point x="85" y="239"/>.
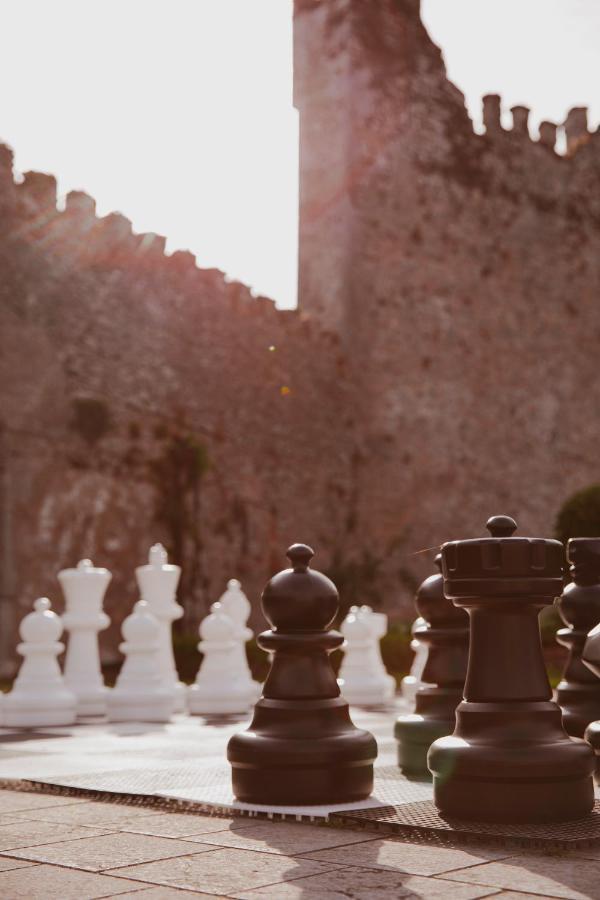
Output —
<point x="30" y="834"/>
<point x="365" y="884"/>
<point x="550" y="875"/>
<point x="285" y="838"/>
<point x="6" y="864"/>
<point x="182" y="825"/>
<point x="109" y="851"/>
<point x="224" y="871"/>
<point x="93" y="813"/>
<point x="165" y="893"/>
<point x="54" y="883"/>
<point x="14" y="801"/>
<point x="416" y="859"/>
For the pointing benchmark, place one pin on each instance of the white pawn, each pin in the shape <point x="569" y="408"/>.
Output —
<point x="84" y="588"/>
<point x="158" y="582"/>
<point x="236" y="605"/>
<point x="140" y="693"/>
<point x="40" y="696"/>
<point x="220" y="687"/>
<point x="363" y="679"/>
<point x="411" y="683"/>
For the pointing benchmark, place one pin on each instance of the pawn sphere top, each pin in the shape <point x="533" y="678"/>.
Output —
<point x="42" y="625"/>
<point x="157" y="556"/>
<point x="300" y="556"/>
<point x="300" y="599"/>
<point x="140" y="626"/>
<point x="233" y="584"/>
<point x="501" y="526"/>
<point x="85" y="564"/>
<point x="217" y="626"/>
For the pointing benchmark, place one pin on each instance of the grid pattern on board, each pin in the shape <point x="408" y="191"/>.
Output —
<point x="423" y="819"/>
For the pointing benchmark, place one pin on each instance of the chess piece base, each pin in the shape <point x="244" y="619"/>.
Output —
<point x="90" y="703"/>
<point x="23" y="712"/>
<point x="415" y="735"/>
<point x="592" y="736"/>
<point x="434" y="717"/>
<point x="580" y="705"/>
<point x="207" y="702"/>
<point x="374" y="694"/>
<point x="537" y="774"/>
<point x="130" y="707"/>
<point x="280" y="761"/>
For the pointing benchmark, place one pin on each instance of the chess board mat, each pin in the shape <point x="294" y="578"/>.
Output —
<point x="182" y="765"/>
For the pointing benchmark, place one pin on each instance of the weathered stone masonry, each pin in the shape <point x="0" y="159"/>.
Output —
<point x="441" y="366"/>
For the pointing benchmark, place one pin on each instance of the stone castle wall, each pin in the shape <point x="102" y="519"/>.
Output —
<point x="145" y="399"/>
<point x="440" y="368"/>
<point x="467" y="275"/>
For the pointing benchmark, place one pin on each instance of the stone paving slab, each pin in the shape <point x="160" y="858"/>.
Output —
<point x="53" y="883"/>
<point x="270" y="859"/>
<point x="108" y="851"/>
<point x="548" y="875"/>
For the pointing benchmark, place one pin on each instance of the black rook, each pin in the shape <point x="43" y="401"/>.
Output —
<point x="302" y="747"/>
<point x="509" y="759"/>
<point x="579" y="690"/>
<point x="445" y="633"/>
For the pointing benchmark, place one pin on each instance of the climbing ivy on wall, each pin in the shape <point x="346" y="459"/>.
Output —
<point x="177" y="473"/>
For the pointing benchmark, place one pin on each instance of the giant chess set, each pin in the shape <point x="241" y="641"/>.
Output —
<point x="475" y="744"/>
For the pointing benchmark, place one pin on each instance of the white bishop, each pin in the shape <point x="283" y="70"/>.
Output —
<point x="236" y="605"/>
<point x="140" y="693"/>
<point x="363" y="678"/>
<point x="158" y="582"/>
<point x="220" y="687"/>
<point x="40" y="696"/>
<point x="84" y="588"/>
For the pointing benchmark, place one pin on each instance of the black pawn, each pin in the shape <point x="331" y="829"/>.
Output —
<point x="591" y="658"/>
<point x="578" y="693"/>
<point x="302" y="747"/>
<point x="509" y="759"/>
<point x="445" y="632"/>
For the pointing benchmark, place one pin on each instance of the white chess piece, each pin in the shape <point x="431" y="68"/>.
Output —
<point x="363" y="679"/>
<point x="379" y="627"/>
<point x="411" y="683"/>
<point x="40" y="696"/>
<point x="84" y="588"/>
<point x="220" y="688"/>
<point x="158" y="582"/>
<point x="236" y="605"/>
<point x="140" y="693"/>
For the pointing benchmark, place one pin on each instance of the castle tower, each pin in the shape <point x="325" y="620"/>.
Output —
<point x="449" y="264"/>
<point x="365" y="78"/>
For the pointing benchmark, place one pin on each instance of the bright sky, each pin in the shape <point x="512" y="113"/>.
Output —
<point x="178" y="113"/>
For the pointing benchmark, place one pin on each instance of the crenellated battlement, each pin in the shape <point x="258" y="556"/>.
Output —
<point x="574" y="128"/>
<point x="77" y="236"/>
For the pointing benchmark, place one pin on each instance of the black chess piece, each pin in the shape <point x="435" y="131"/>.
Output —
<point x="302" y="747"/>
<point x="591" y="658"/>
<point x="509" y="759"/>
<point x="445" y="632"/>
<point x="578" y="693"/>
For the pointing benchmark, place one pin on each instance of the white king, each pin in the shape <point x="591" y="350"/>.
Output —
<point x="158" y="582"/>
<point x="84" y="588"/>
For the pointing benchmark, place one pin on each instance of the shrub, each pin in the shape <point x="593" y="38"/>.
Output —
<point x="579" y="516"/>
